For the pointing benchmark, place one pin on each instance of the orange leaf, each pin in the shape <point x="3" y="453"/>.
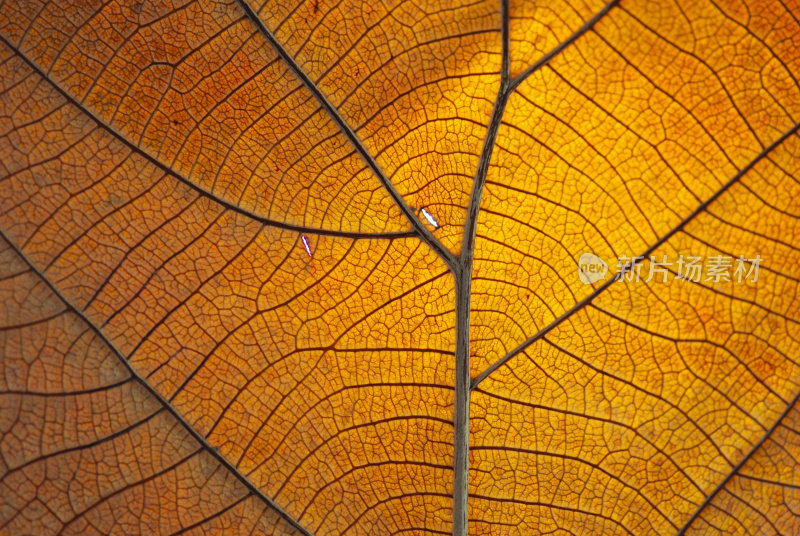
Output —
<point x="365" y="268"/>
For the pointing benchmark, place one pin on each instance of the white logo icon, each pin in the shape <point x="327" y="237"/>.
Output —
<point x="591" y="268"/>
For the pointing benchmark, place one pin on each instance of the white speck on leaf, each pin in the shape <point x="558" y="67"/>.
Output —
<point x="430" y="218"/>
<point x="306" y="245"/>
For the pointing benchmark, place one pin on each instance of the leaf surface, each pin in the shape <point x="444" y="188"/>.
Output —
<point x="312" y="268"/>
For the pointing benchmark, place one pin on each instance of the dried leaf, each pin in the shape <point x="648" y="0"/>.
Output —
<point x="321" y="268"/>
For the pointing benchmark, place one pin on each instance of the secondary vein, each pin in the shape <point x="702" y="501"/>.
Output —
<point x="197" y="188"/>
<point x="252" y="488"/>
<point x="422" y="231"/>
<point x="645" y="254"/>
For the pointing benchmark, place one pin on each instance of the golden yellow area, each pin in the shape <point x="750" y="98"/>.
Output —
<point x="605" y="150"/>
<point x="536" y="28"/>
<point x="764" y="491"/>
<point x="627" y="415"/>
<point x="225" y="309"/>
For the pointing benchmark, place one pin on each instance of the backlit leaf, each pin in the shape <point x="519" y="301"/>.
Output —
<point x="313" y="268"/>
